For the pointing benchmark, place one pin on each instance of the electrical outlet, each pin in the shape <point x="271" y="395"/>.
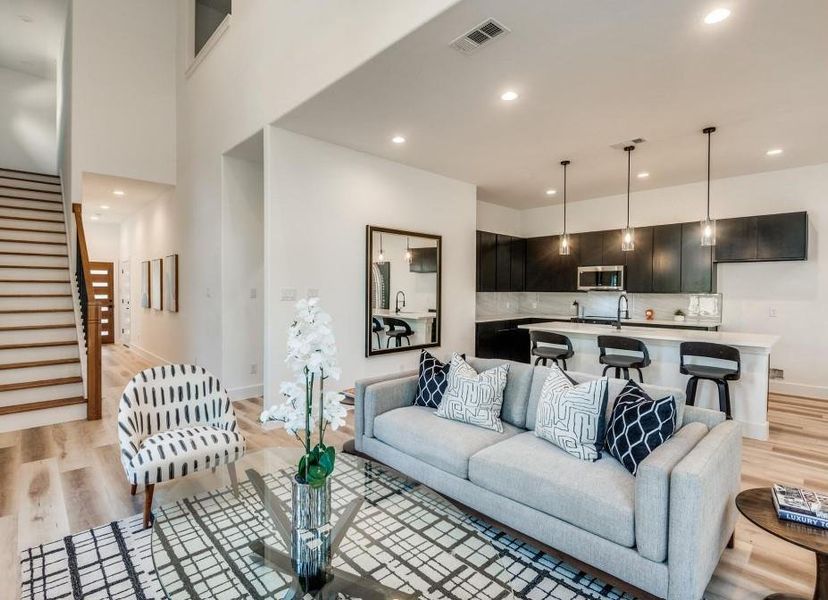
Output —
<point x="253" y="368"/>
<point x="508" y="305"/>
<point x="288" y="294"/>
<point x="777" y="374"/>
<point x="534" y="305"/>
<point x="772" y="311"/>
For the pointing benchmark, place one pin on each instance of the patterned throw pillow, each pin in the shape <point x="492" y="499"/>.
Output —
<point x="474" y="398"/>
<point x="573" y="416"/>
<point x="431" y="384"/>
<point x="639" y="425"/>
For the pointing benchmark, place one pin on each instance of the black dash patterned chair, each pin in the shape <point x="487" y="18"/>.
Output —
<point x="559" y="350"/>
<point x="175" y="420"/>
<point x="636" y="356"/>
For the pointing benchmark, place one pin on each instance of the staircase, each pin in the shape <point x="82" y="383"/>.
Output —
<point x="40" y="367"/>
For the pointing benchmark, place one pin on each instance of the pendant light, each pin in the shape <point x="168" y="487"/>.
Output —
<point x="628" y="233"/>
<point x="407" y="256"/>
<point x="564" y="248"/>
<point x="708" y="226"/>
<point x="381" y="255"/>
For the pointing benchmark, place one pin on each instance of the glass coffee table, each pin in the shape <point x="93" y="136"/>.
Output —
<point x="398" y="540"/>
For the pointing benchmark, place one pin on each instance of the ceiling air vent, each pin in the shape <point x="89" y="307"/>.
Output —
<point x="482" y="34"/>
<point x="625" y="143"/>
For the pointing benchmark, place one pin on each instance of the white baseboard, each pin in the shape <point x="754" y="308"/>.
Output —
<point x="245" y="392"/>
<point x="789" y="388"/>
<point x="149" y="355"/>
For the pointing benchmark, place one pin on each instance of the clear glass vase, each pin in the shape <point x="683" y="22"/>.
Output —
<point x="310" y="550"/>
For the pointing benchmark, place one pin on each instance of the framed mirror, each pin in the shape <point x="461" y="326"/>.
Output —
<point x="403" y="282"/>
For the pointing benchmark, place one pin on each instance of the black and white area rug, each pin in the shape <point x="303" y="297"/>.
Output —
<point x="115" y="562"/>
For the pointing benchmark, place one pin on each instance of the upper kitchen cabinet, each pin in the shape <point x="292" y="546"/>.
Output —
<point x="735" y="240"/>
<point x="518" y="274"/>
<point x="541" y="253"/>
<point x="486" y="262"/>
<point x="667" y="259"/>
<point x="696" y="261"/>
<point x="763" y="238"/>
<point x="611" y="253"/>
<point x="503" y="279"/>
<point x="639" y="277"/>
<point x="591" y="248"/>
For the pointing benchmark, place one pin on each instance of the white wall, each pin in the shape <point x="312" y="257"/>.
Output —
<point x="103" y="243"/>
<point x="319" y="199"/>
<point x="242" y="276"/>
<point x="28" y="122"/>
<point x="499" y="219"/>
<point x="796" y="291"/>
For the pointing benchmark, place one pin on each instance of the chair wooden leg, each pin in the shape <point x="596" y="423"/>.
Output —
<point x="132" y="489"/>
<point x="148" y="505"/>
<point x="231" y="469"/>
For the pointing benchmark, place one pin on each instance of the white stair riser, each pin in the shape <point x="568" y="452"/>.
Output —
<point x="30" y="176"/>
<point x="23" y="303"/>
<point x="44" y="353"/>
<point x="25" y="246"/>
<point x="34" y="288"/>
<point x="24" y="202"/>
<point x="39" y="261"/>
<point x="26" y="273"/>
<point x="52" y="392"/>
<point x="29" y="336"/>
<point x="34" y="236"/>
<point x="18" y="319"/>
<point x="23" y="182"/>
<point x="36" y="373"/>
<point x="50" y="226"/>
<point x="29" y="214"/>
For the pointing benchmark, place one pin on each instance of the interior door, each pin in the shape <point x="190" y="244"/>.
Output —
<point x="123" y="302"/>
<point x="104" y="289"/>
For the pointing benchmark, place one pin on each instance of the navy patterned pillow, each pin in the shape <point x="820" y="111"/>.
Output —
<point x="431" y="384"/>
<point x="639" y="425"/>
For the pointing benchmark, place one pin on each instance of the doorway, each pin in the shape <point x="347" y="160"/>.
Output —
<point x="103" y="285"/>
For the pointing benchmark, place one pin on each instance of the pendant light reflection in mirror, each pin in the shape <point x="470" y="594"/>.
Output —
<point x="407" y="256"/>
<point x="708" y="226"/>
<point x="381" y="255"/>
<point x="628" y="233"/>
<point x="564" y="247"/>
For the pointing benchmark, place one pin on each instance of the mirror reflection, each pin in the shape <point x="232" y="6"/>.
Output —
<point x="403" y="283"/>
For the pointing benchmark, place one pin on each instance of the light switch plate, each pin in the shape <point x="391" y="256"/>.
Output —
<point x="288" y="294"/>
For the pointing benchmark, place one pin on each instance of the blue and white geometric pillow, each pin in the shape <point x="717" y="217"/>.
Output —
<point x="639" y="425"/>
<point x="472" y="397"/>
<point x="431" y="384"/>
<point x="573" y="416"/>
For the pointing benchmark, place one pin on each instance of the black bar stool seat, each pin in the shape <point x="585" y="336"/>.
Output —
<point x="720" y="375"/>
<point x="560" y="351"/>
<point x="397" y="330"/>
<point x="622" y="363"/>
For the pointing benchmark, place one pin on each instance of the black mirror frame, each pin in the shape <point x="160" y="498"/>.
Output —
<point x="369" y="253"/>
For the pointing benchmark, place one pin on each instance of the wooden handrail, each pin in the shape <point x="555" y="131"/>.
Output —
<point x="91" y="311"/>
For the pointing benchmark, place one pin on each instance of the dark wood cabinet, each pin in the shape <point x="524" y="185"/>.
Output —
<point x="503" y="340"/>
<point x="667" y="259"/>
<point x="518" y="275"/>
<point x="696" y="261"/>
<point x="540" y="264"/>
<point x="566" y="267"/>
<point x="486" y="339"/>
<point x="611" y="253"/>
<point x="735" y="240"/>
<point x="639" y="275"/>
<point x="503" y="280"/>
<point x="782" y="236"/>
<point x="591" y="248"/>
<point x="487" y="262"/>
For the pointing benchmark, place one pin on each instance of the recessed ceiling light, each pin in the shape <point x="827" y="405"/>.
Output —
<point x="94" y="217"/>
<point x="509" y="95"/>
<point x="643" y="175"/>
<point x="717" y="16"/>
<point x="551" y="192"/>
<point x="118" y="192"/>
<point x="398" y="139"/>
<point x="774" y="152"/>
<point x="105" y="206"/>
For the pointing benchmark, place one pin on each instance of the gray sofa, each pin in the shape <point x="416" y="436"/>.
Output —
<point x="661" y="531"/>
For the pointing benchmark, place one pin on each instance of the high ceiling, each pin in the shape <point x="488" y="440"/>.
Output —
<point x="112" y="199"/>
<point x="590" y="74"/>
<point x="31" y="35"/>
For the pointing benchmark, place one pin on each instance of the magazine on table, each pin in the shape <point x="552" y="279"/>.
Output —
<point x="801" y="505"/>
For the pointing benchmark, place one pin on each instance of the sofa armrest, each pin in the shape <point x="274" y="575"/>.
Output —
<point x="696" y="414"/>
<point x="361" y="421"/>
<point x="703" y="491"/>
<point x="652" y="491"/>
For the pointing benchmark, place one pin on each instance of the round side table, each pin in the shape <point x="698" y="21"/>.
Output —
<point x="757" y="507"/>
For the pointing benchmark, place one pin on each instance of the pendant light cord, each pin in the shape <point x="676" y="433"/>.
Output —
<point x="564" y="163"/>
<point x="629" y="150"/>
<point x="708" y="131"/>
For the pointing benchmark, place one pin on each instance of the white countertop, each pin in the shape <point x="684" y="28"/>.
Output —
<point x="689" y="322"/>
<point x="411" y="315"/>
<point x="730" y="338"/>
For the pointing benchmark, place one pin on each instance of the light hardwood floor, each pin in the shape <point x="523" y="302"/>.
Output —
<point x="65" y="478"/>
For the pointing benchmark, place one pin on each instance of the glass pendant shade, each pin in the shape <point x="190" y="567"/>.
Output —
<point x="407" y="256"/>
<point x="564" y="247"/>
<point x="628" y="239"/>
<point x="708" y="232"/>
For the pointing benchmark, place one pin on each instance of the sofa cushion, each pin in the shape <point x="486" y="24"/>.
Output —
<point x="447" y="445"/>
<point x="516" y="393"/>
<point x="598" y="497"/>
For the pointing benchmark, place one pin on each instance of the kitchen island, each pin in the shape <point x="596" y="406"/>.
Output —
<point x="749" y="395"/>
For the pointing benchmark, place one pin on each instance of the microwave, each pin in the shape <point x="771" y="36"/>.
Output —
<point x="604" y="278"/>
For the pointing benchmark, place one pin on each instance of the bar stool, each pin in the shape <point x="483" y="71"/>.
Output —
<point x="397" y="330"/>
<point x="377" y="328"/>
<point x="623" y="362"/>
<point x="553" y="353"/>
<point x="718" y="375"/>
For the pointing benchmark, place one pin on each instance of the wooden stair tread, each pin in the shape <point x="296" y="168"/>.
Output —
<point x="33" y="267"/>
<point x="12" y="241"/>
<point x="32" y="219"/>
<point x="45" y="200"/>
<point x="27" y="311"/>
<point x="37" y="327"/>
<point x="15" y="178"/>
<point x="47" y="210"/>
<point x="37" y="345"/>
<point x="35" y="295"/>
<point x="38" y="383"/>
<point x="31" y="173"/>
<point x="34" y="281"/>
<point x="29" y="230"/>
<point x="50" y="254"/>
<point x="38" y="363"/>
<point x="18" y="408"/>
<point x="28" y="189"/>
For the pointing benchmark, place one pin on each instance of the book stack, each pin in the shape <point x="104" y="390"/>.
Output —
<point x="800" y="505"/>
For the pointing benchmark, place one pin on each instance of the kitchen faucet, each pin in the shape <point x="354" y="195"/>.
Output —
<point x="626" y="310"/>
<point x="397" y="301"/>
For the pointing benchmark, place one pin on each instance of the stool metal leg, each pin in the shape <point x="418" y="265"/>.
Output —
<point x="690" y="399"/>
<point x="537" y="360"/>
<point x="617" y="373"/>
<point x="626" y="373"/>
<point x="604" y="372"/>
<point x="724" y="397"/>
<point x="640" y="375"/>
<point x="564" y="364"/>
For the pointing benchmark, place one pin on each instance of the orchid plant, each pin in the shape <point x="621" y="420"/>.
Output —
<point x="311" y="356"/>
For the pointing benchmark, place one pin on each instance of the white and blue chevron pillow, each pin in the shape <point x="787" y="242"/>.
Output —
<point x="639" y="425"/>
<point x="573" y="416"/>
<point x="431" y="383"/>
